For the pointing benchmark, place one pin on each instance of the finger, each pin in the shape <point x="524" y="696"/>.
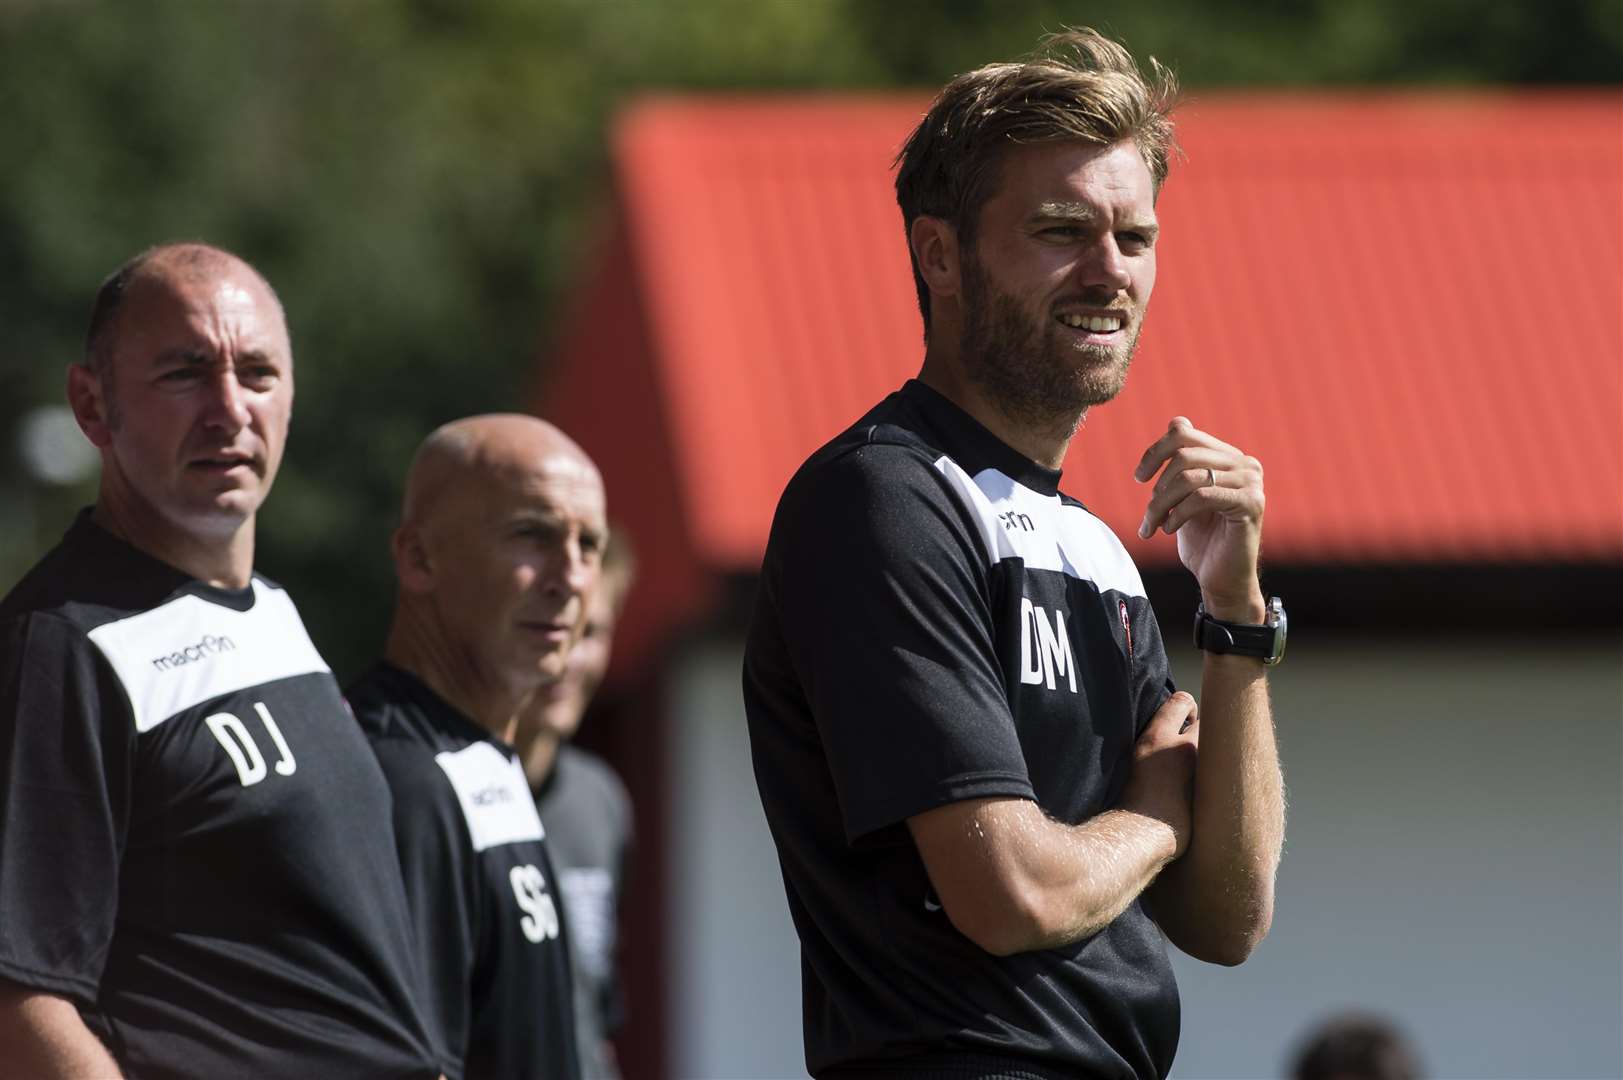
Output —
<point x="1188" y="471"/>
<point x="1232" y="503"/>
<point x="1180" y="433"/>
<point x="1178" y="709"/>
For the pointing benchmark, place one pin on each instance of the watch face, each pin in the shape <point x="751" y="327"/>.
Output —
<point x="1276" y="619"/>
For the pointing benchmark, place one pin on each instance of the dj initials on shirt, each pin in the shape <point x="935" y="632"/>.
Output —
<point x="540" y="921"/>
<point x="232" y="735"/>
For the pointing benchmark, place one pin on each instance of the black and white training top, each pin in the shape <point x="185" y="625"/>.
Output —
<point x="934" y="623"/>
<point x="194" y="837"/>
<point x="480" y="882"/>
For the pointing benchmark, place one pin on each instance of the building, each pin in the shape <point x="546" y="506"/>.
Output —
<point x="1410" y="308"/>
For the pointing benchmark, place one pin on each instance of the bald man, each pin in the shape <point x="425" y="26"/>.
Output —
<point x="497" y="554"/>
<point x="189" y="883"/>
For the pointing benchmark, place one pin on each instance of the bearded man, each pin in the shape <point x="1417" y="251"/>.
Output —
<point x="987" y="798"/>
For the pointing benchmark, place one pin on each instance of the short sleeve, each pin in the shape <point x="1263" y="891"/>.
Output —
<point x="66" y="748"/>
<point x="881" y="592"/>
<point x="1151" y="673"/>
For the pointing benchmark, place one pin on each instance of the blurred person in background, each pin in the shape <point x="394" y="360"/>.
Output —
<point x="987" y="798"/>
<point x="1355" y="1046"/>
<point x="497" y="556"/>
<point x="198" y="876"/>
<point x="587" y="814"/>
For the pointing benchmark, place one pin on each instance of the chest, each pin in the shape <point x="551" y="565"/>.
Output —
<point x="1063" y="599"/>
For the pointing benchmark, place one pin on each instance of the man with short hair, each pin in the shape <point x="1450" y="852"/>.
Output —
<point x="497" y="556"/>
<point x="975" y="768"/>
<point x="588" y="813"/>
<point x="196" y="866"/>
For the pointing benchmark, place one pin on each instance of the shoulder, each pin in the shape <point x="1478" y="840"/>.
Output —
<point x="1094" y="548"/>
<point x="590" y="773"/>
<point x="385" y="710"/>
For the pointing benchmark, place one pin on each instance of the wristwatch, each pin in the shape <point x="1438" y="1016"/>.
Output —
<point x="1265" y="642"/>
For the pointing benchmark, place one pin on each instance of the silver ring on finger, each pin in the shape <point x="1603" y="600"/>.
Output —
<point x="1211" y="477"/>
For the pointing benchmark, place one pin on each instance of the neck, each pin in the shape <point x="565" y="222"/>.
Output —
<point x="225" y="561"/>
<point x="416" y="644"/>
<point x="540" y="753"/>
<point x="1045" y="443"/>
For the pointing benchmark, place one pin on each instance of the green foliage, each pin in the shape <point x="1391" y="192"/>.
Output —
<point x="422" y="181"/>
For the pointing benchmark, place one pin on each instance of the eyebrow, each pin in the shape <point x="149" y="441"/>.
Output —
<point x="1082" y="213"/>
<point x="193" y="356"/>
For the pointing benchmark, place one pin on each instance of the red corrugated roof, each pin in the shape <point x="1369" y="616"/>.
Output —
<point x="1410" y="307"/>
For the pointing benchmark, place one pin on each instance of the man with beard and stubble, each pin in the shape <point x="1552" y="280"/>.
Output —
<point x="497" y="556"/>
<point x="588" y="813"/>
<point x="987" y="799"/>
<point x="198" y="868"/>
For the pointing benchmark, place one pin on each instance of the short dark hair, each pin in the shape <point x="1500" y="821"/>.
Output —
<point x="1077" y="86"/>
<point x="1356" y="1046"/>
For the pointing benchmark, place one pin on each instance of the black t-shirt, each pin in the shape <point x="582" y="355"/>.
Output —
<point x="194" y="838"/>
<point x="934" y="623"/>
<point x="480" y="883"/>
<point x="588" y="817"/>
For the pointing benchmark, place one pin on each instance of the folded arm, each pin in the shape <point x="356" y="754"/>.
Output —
<point x="1012" y="879"/>
<point x="42" y="1035"/>
<point x="1217" y="902"/>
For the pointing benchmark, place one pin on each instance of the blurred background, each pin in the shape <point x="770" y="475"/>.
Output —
<point x="528" y="204"/>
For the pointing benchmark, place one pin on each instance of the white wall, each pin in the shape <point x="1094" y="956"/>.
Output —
<point x="1454" y="859"/>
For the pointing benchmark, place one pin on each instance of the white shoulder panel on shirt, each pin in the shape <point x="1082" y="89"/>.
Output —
<point x="189" y="650"/>
<point x="1041" y="530"/>
<point x="495" y="797"/>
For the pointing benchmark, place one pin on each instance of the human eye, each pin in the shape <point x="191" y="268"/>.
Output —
<point x="182" y="375"/>
<point x="258" y="376"/>
<point x="1060" y="233"/>
<point x="1135" y="240"/>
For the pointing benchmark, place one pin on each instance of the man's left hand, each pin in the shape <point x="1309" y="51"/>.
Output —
<point x="1209" y="495"/>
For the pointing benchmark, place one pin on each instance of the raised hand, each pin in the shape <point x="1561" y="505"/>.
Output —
<point x="1209" y="494"/>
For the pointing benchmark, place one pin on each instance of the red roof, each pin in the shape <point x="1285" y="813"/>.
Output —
<point x="1409" y="307"/>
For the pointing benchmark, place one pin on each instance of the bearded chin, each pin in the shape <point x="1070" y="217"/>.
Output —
<point x="1025" y="370"/>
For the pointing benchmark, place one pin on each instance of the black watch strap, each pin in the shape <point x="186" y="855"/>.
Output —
<point x="1265" y="642"/>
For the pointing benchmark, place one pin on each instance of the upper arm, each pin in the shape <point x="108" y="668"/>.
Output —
<point x="43" y="1035"/>
<point x="972" y="851"/>
<point x="66" y="738"/>
<point x="882" y="600"/>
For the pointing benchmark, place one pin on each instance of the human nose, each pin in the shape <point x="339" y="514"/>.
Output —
<point x="227" y="403"/>
<point x="572" y="571"/>
<point x="1104" y="265"/>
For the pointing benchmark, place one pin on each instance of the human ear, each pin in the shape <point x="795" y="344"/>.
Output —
<point x="88" y="400"/>
<point x="412" y="564"/>
<point x="936" y="254"/>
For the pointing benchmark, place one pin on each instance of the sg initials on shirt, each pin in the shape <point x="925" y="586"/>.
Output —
<point x="1045" y="647"/>
<point x="540" y="919"/>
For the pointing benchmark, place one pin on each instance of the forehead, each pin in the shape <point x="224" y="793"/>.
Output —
<point x="1113" y="178"/>
<point x="218" y="307"/>
<point x="554" y="485"/>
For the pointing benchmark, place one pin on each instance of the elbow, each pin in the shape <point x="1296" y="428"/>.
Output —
<point x="998" y="933"/>
<point x="1232" y="945"/>
<point x="1015" y="920"/>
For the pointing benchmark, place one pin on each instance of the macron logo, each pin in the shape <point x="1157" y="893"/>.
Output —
<point x="191" y="654"/>
<point x="490" y="796"/>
